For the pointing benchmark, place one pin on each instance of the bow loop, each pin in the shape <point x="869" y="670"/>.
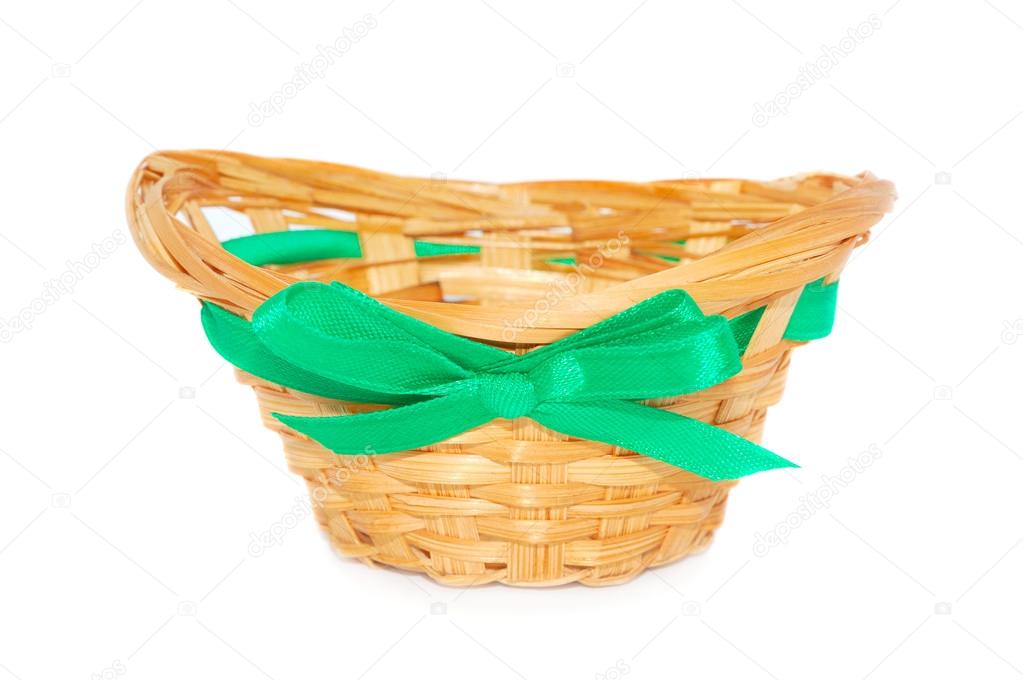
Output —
<point x="353" y="339"/>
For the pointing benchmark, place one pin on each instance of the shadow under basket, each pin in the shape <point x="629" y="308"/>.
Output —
<point x="516" y="266"/>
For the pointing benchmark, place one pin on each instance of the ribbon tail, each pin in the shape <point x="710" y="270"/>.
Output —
<point x="686" y="443"/>
<point x="395" y="429"/>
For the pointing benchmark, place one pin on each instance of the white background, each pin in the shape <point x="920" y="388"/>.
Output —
<point x="134" y="471"/>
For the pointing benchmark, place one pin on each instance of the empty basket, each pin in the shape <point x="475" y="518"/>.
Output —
<point x="517" y="267"/>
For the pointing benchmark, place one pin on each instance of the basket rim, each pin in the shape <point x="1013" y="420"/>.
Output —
<point x="767" y="262"/>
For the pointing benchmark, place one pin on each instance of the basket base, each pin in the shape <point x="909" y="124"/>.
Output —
<point x="661" y="544"/>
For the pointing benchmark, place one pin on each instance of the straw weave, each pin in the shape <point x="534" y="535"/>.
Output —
<point x="512" y="501"/>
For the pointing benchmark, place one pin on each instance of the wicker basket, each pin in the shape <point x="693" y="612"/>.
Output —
<point x="512" y="501"/>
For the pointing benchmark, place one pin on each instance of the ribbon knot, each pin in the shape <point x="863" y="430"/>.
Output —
<point x="506" y="395"/>
<point x="333" y="341"/>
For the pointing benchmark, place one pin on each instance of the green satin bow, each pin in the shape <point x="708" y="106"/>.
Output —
<point x="333" y="341"/>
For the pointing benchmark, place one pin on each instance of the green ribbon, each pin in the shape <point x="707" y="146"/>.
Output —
<point x="333" y="341"/>
<point x="305" y="245"/>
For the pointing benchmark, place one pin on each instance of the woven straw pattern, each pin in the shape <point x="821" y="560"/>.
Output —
<point x="512" y="501"/>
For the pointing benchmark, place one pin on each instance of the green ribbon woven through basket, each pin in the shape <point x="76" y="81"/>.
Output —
<point x="335" y="342"/>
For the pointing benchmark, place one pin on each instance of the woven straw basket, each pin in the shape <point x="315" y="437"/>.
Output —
<point x="512" y="501"/>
